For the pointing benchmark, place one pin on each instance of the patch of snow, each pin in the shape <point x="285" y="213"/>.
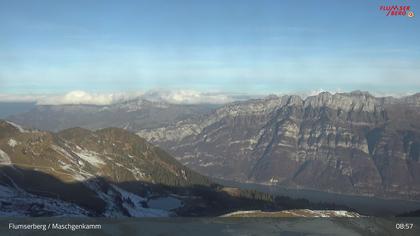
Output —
<point x="62" y="151"/>
<point x="133" y="204"/>
<point x="63" y="164"/>
<point x="4" y="158"/>
<point x="235" y="142"/>
<point x="137" y="173"/>
<point x="274" y="180"/>
<point x="285" y="145"/>
<point x="12" y="142"/>
<point x="111" y="209"/>
<point x="300" y="213"/>
<point x="75" y="166"/>
<point x="184" y="175"/>
<point x="206" y="164"/>
<point x="91" y="157"/>
<point x="67" y="155"/>
<point x="241" y="213"/>
<point x="186" y="156"/>
<point x="345" y="214"/>
<point x="331" y="213"/>
<point x="20" y="203"/>
<point x="18" y="127"/>
<point x="316" y="213"/>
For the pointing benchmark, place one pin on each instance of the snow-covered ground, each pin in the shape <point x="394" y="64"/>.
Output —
<point x="4" y="158"/>
<point x="294" y="213"/>
<point x="12" y="143"/>
<point x="19" y="203"/>
<point x="18" y="127"/>
<point x="91" y="157"/>
<point x="133" y="204"/>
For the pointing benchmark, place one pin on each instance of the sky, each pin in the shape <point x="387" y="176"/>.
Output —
<point x="103" y="48"/>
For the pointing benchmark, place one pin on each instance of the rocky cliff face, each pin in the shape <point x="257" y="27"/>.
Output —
<point x="347" y="142"/>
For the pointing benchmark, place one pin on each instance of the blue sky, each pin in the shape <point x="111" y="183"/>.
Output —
<point x="254" y="47"/>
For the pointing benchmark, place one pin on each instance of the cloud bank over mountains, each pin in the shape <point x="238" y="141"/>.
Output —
<point x="190" y="97"/>
<point x="170" y="96"/>
<point x="83" y="97"/>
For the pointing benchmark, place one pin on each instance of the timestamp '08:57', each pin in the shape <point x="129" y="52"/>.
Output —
<point x="404" y="226"/>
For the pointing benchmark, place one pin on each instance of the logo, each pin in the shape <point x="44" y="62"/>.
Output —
<point x="397" y="10"/>
<point x="410" y="14"/>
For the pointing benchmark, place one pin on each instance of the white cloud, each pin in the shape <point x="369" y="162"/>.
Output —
<point x="83" y="97"/>
<point x="79" y="97"/>
<point x="189" y="97"/>
<point x="318" y="91"/>
<point x="72" y="97"/>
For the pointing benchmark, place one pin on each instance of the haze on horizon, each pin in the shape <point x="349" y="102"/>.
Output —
<point x="217" y="47"/>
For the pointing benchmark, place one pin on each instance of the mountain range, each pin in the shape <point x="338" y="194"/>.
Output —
<point x="132" y="115"/>
<point x="351" y="143"/>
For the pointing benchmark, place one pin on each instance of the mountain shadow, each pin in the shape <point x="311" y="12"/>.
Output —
<point x="96" y="196"/>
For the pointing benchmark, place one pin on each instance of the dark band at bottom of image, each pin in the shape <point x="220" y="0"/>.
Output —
<point x="212" y="226"/>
